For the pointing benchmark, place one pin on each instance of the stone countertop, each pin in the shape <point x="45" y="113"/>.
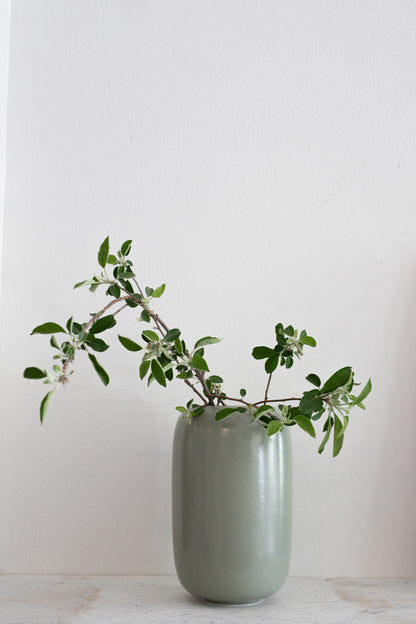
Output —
<point x="73" y="599"/>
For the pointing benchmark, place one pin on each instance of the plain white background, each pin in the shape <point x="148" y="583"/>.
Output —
<point x="5" y="9"/>
<point x="262" y="157"/>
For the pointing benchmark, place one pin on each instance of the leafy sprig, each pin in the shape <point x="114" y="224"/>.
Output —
<point x="166" y="356"/>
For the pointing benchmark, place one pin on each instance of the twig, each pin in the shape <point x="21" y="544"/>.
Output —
<point x="227" y="398"/>
<point x="279" y="400"/>
<point x="99" y="314"/>
<point x="195" y="390"/>
<point x="200" y="376"/>
<point x="91" y="322"/>
<point x="138" y="287"/>
<point x="267" y="388"/>
<point x="126" y="305"/>
<point x="157" y="319"/>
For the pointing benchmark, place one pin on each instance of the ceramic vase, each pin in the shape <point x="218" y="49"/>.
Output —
<point x="231" y="507"/>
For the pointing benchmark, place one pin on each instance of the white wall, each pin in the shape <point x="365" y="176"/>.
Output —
<point x="5" y="10"/>
<point x="262" y="157"/>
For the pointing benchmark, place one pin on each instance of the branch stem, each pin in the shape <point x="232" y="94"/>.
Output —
<point x="99" y="314"/>
<point x="279" y="400"/>
<point x="138" y="287"/>
<point x="267" y="388"/>
<point x="120" y="309"/>
<point x="188" y="383"/>
<point x="91" y="322"/>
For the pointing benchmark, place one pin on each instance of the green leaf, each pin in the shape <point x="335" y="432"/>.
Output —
<point x="313" y="379"/>
<point x="261" y="353"/>
<point x="226" y="411"/>
<point x="184" y="375"/>
<point x="199" y="363"/>
<point x="32" y="372"/>
<point x="273" y="427"/>
<point x="128" y="344"/>
<point x="216" y="379"/>
<point x="111" y="259"/>
<point x="53" y="342"/>
<point x="305" y="424"/>
<point x="126" y="275"/>
<point x="45" y="404"/>
<point x="131" y="303"/>
<point x="344" y="425"/>
<point x="243" y="392"/>
<point x="337" y="380"/>
<point x="94" y="286"/>
<point x="150" y="379"/>
<point x="280" y="337"/>
<point x="261" y="410"/>
<point x="144" y="367"/>
<point x="158" y="292"/>
<point x="311" y="402"/>
<point x="103" y="323"/>
<point x="363" y="394"/>
<point x="181" y="409"/>
<point x="325" y="439"/>
<point x="114" y="291"/>
<point x="272" y="362"/>
<point x="289" y="362"/>
<point x="150" y="335"/>
<point x="85" y="283"/>
<point x="308" y="340"/>
<point x="158" y="373"/>
<point x="127" y="286"/>
<point x="103" y="252"/>
<point x="202" y="342"/>
<point x="350" y="383"/>
<point x="69" y="324"/>
<point x="178" y="346"/>
<point x="126" y="247"/>
<point x="99" y="369"/>
<point x="145" y="316"/>
<point x="96" y="343"/>
<point x="318" y="415"/>
<point x="338" y="436"/>
<point x="48" y="328"/>
<point x="172" y="335"/>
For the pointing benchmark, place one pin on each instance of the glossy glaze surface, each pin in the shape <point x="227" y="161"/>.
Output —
<point x="231" y="508"/>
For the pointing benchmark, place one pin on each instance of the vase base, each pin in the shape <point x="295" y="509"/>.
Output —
<point x="234" y="604"/>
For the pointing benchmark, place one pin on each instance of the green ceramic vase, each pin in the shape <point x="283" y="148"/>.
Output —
<point x="231" y="508"/>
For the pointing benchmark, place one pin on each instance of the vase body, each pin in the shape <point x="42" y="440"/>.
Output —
<point x="231" y="507"/>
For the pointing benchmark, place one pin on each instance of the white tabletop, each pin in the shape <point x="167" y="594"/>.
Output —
<point x="64" y="599"/>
